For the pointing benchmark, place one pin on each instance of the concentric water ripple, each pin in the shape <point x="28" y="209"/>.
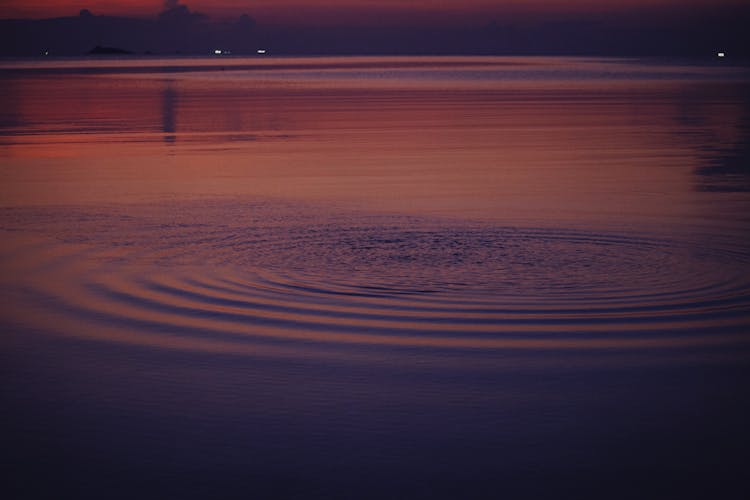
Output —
<point x="379" y="290"/>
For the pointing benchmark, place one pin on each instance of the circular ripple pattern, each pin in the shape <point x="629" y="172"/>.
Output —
<point x="379" y="291"/>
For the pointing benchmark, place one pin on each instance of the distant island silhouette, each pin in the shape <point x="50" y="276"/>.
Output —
<point x="99" y="50"/>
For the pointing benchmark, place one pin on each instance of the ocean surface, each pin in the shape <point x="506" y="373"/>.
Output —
<point x="374" y="277"/>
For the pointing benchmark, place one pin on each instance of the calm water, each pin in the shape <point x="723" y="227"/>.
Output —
<point x="375" y="277"/>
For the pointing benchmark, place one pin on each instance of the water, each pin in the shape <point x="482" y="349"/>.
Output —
<point x="375" y="277"/>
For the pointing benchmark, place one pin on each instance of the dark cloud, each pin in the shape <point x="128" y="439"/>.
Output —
<point x="174" y="12"/>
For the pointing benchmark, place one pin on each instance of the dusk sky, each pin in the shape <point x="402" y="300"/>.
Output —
<point x="344" y="10"/>
<point x="582" y="27"/>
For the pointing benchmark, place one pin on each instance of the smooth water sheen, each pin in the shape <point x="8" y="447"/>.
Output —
<point x="434" y="277"/>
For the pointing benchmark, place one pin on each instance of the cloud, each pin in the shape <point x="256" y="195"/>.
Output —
<point x="176" y="13"/>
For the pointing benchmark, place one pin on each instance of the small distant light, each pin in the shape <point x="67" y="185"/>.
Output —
<point x="720" y="54"/>
<point x="261" y="51"/>
<point x="217" y="52"/>
<point x="46" y="52"/>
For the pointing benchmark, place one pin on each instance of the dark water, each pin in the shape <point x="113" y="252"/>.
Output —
<point x="375" y="278"/>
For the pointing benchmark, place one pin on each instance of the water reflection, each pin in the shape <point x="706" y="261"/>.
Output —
<point x="10" y="114"/>
<point x="499" y="154"/>
<point x="430" y="274"/>
<point x="726" y="164"/>
<point x="169" y="112"/>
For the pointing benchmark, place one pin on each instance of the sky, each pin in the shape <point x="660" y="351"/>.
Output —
<point x="345" y="11"/>
<point x="575" y="27"/>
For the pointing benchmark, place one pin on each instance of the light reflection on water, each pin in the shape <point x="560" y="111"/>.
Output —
<point x="307" y="269"/>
